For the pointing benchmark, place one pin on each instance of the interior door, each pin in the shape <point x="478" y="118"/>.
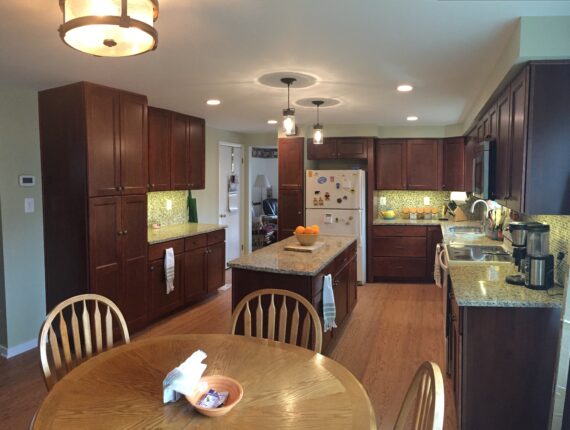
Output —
<point x="230" y="185"/>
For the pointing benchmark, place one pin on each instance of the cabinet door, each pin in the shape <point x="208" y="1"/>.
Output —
<point x="469" y="156"/>
<point x="158" y="149"/>
<point x="422" y="165"/>
<point x="480" y="131"/>
<point x="195" y="286"/>
<point x="161" y="303"/>
<point x="105" y="234"/>
<point x="352" y="292"/>
<point x="518" y="95"/>
<point x="352" y="148"/>
<point x="103" y="140"/>
<point x="453" y="164"/>
<point x="134" y="144"/>
<point x="492" y="126"/>
<point x="340" y="290"/>
<point x="135" y="247"/>
<point x="290" y="160"/>
<point x="434" y="237"/>
<point x="457" y="369"/>
<point x="390" y="162"/>
<point x="179" y="178"/>
<point x="326" y="151"/>
<point x="290" y="212"/>
<point x="197" y="154"/>
<point x="216" y="266"/>
<point x="503" y="169"/>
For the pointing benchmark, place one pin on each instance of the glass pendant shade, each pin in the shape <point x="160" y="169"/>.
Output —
<point x="318" y="134"/>
<point x="289" y="122"/>
<point x="110" y="28"/>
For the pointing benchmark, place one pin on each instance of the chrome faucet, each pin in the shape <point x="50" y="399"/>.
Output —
<point x="484" y="213"/>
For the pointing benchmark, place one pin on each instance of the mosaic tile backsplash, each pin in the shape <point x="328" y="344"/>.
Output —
<point x="157" y="212"/>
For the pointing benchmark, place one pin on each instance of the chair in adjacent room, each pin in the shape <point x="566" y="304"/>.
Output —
<point x="293" y="315"/>
<point x="96" y="313"/>
<point x="423" y="407"/>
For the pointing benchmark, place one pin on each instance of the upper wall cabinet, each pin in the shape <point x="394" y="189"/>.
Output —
<point x="177" y="151"/>
<point x="390" y="164"/>
<point x="116" y="125"/>
<point x="422" y="164"/>
<point x="344" y="148"/>
<point x="453" y="174"/>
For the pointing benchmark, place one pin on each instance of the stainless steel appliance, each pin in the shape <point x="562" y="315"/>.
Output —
<point x="518" y="230"/>
<point x="484" y="168"/>
<point x="540" y="274"/>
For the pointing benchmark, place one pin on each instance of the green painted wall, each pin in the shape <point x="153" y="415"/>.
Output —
<point x="543" y="37"/>
<point x="3" y="323"/>
<point x="22" y="234"/>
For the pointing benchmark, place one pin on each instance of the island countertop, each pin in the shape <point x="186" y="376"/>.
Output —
<point x="179" y="231"/>
<point x="276" y="259"/>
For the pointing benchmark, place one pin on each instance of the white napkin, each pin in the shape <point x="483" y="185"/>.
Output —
<point x="169" y="269"/>
<point x="183" y="379"/>
<point x="329" y="308"/>
<point x="437" y="267"/>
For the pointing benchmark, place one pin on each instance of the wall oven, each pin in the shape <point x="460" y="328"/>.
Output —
<point x="484" y="170"/>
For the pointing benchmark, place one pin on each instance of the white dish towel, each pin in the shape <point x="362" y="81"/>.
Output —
<point x="437" y="267"/>
<point x="169" y="269"/>
<point x="329" y="308"/>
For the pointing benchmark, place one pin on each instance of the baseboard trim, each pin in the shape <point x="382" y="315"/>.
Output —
<point x="18" y="349"/>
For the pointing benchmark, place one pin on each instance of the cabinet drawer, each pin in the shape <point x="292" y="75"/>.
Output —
<point x="194" y="242"/>
<point x="156" y="251"/>
<point x="216" y="236"/>
<point x="398" y="230"/>
<point x="399" y="247"/>
<point x="398" y="267"/>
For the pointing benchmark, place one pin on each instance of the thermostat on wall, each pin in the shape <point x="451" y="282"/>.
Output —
<point x="27" y="180"/>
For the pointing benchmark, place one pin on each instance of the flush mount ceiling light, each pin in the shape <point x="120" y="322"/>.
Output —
<point x="213" y="102"/>
<point x="412" y="118"/>
<point x="405" y="88"/>
<point x="289" y="113"/>
<point x="272" y="121"/>
<point x="109" y="28"/>
<point x="318" y="128"/>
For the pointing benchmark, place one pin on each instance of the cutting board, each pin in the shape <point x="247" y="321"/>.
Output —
<point x="301" y="248"/>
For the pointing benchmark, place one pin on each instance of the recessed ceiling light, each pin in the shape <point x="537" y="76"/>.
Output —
<point x="213" y="102"/>
<point x="272" y="121"/>
<point x="412" y="118"/>
<point x="405" y="88"/>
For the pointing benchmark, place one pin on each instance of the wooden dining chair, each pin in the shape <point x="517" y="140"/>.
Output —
<point x="96" y="313"/>
<point x="423" y="406"/>
<point x="288" y="323"/>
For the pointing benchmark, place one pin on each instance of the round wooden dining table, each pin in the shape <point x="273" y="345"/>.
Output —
<point x="285" y="387"/>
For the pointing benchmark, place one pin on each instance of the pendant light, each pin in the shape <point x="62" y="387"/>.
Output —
<point x="318" y="128"/>
<point x="289" y="113"/>
<point x="109" y="28"/>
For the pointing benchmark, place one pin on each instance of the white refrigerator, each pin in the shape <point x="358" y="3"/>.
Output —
<point x="335" y="200"/>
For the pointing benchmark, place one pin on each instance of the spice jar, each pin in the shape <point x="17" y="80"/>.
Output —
<point x="427" y="213"/>
<point x="406" y="213"/>
<point x="420" y="213"/>
<point x="413" y="214"/>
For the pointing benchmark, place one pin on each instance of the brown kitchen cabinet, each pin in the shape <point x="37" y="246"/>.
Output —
<point x="503" y="176"/>
<point x="197" y="154"/>
<point x="422" y="164"/>
<point x="344" y="148"/>
<point x="390" y="164"/>
<point x="161" y="303"/>
<point x="159" y="141"/>
<point x="118" y="250"/>
<point x="116" y="140"/>
<point x="434" y="237"/>
<point x="493" y="351"/>
<point x="188" y="146"/>
<point x="453" y="173"/>
<point x="205" y="264"/>
<point x="291" y="180"/>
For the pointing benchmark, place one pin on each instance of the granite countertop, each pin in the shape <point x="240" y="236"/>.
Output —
<point x="276" y="259"/>
<point x="179" y="231"/>
<point x="483" y="284"/>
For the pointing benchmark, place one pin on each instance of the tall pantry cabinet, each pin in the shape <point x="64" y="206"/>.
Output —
<point x="94" y="176"/>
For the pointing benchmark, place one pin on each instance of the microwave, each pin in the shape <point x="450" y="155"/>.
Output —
<point x="484" y="170"/>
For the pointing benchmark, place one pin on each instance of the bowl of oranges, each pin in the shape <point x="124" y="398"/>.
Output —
<point x="307" y="236"/>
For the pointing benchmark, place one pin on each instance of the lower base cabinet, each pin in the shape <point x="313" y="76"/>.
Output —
<point x="199" y="270"/>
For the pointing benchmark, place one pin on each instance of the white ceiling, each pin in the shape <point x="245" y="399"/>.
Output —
<point x="358" y="49"/>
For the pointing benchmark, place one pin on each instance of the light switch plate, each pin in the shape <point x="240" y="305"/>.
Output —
<point x="168" y="204"/>
<point x="426" y="201"/>
<point x="29" y="205"/>
<point x="383" y="201"/>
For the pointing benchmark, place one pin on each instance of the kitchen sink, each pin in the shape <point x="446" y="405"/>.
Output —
<point x="478" y="253"/>
<point x="465" y="229"/>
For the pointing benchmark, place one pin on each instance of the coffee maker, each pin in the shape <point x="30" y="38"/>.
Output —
<point x="518" y="230"/>
<point x="540" y="263"/>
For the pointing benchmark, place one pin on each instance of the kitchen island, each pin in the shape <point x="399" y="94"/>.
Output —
<point x="302" y="273"/>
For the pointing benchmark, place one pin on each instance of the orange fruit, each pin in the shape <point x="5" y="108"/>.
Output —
<point x="300" y="230"/>
<point x="309" y="230"/>
<point x="316" y="228"/>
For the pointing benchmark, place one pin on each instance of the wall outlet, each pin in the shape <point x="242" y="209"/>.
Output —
<point x="29" y="205"/>
<point x="168" y="204"/>
<point x="426" y="201"/>
<point x="383" y="201"/>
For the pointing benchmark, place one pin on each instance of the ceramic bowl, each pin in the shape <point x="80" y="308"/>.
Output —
<point x="307" y="239"/>
<point x="218" y="383"/>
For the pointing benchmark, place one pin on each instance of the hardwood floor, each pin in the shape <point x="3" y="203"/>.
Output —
<point x="391" y="331"/>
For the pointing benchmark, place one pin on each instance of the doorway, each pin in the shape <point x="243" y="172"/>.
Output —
<point x="230" y="197"/>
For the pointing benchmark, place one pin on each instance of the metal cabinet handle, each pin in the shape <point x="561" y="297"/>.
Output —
<point x="125" y="231"/>
<point x="119" y="233"/>
<point x="151" y="268"/>
<point x="118" y="188"/>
